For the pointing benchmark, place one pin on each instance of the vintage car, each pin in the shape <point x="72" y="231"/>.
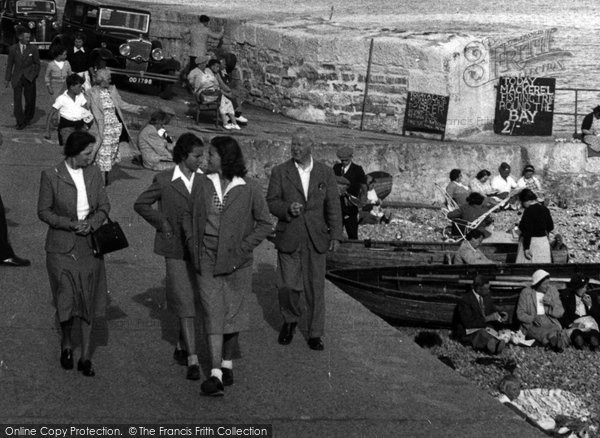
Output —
<point x="124" y="31"/>
<point x="39" y="16"/>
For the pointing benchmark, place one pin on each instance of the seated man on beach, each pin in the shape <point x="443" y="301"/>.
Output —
<point x="503" y="184"/>
<point x="477" y="314"/>
<point x="469" y="253"/>
<point x="539" y="309"/>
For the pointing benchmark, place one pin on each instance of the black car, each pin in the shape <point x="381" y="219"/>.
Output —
<point x="124" y="31"/>
<point x="39" y="16"/>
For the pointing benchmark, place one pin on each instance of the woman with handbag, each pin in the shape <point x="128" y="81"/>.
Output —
<point x="172" y="189"/>
<point x="228" y="219"/>
<point x="73" y="202"/>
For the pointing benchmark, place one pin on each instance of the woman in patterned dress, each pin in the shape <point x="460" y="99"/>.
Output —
<point x="106" y="106"/>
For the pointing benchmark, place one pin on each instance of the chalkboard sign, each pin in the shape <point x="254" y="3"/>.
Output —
<point x="524" y="106"/>
<point x="426" y="113"/>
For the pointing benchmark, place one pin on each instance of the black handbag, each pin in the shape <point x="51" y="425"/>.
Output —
<point x="109" y="238"/>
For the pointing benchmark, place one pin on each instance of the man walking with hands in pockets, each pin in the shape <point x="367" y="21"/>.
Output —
<point x="303" y="195"/>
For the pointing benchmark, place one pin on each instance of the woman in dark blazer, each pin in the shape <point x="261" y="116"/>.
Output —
<point x="172" y="189"/>
<point x="73" y="202"/>
<point x="228" y="219"/>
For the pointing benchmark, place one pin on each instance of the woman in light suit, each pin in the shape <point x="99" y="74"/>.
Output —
<point x="228" y="219"/>
<point x="171" y="190"/>
<point x="73" y="202"/>
<point x="106" y="106"/>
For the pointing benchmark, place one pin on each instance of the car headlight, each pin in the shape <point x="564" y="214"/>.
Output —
<point x="31" y="25"/>
<point x="157" y="54"/>
<point x="125" y="49"/>
<point x="55" y="25"/>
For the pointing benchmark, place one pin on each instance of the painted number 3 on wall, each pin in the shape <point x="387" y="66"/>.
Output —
<point x="144" y="81"/>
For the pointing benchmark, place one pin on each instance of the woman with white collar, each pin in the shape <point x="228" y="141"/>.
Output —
<point x="228" y="219"/>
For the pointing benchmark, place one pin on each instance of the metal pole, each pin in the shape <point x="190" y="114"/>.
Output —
<point x="367" y="80"/>
<point x="576" y="99"/>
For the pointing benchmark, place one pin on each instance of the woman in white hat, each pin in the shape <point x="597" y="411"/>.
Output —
<point x="538" y="310"/>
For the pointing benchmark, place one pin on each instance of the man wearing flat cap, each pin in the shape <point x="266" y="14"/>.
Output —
<point x="582" y="313"/>
<point x="350" y="192"/>
<point x="539" y="309"/>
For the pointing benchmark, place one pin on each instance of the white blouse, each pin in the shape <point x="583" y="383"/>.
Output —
<point x="83" y="207"/>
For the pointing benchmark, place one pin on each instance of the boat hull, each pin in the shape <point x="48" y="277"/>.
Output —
<point x="427" y="295"/>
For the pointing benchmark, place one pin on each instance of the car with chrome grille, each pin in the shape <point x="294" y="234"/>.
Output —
<point x="38" y="16"/>
<point x="136" y="59"/>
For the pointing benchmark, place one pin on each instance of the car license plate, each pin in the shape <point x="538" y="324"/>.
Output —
<point x="43" y="46"/>
<point x="143" y="81"/>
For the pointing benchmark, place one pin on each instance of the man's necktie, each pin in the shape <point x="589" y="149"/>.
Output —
<point x="481" y="306"/>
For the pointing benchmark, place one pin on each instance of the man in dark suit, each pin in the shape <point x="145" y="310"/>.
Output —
<point x="357" y="186"/>
<point x="22" y="69"/>
<point x="476" y="311"/>
<point x="303" y="195"/>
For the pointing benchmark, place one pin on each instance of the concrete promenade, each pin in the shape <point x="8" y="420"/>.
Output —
<point x="369" y="381"/>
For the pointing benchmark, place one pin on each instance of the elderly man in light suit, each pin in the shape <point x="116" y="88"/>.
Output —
<point x="303" y="195"/>
<point x="22" y="69"/>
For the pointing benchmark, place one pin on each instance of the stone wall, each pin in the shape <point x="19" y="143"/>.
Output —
<point x="317" y="73"/>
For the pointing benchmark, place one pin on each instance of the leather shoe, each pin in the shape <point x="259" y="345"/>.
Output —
<point x="193" y="372"/>
<point x="86" y="368"/>
<point x="227" y="376"/>
<point x="213" y="387"/>
<point x="286" y="334"/>
<point x="15" y="261"/>
<point x="316" y="344"/>
<point x="66" y="359"/>
<point x="180" y="356"/>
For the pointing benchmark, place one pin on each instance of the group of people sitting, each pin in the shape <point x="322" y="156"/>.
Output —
<point x="472" y="218"/>
<point x="554" y="320"/>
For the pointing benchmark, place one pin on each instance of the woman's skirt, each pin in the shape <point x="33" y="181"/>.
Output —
<point x="181" y="284"/>
<point x="540" y="251"/>
<point x="108" y="154"/>
<point x="223" y="297"/>
<point x="78" y="282"/>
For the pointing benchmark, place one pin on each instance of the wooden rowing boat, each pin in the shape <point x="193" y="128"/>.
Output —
<point x="366" y="253"/>
<point x="426" y="295"/>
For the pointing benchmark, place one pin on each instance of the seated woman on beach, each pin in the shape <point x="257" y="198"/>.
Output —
<point x="530" y="181"/>
<point x="538" y="310"/>
<point x="456" y="189"/>
<point x="590" y="129"/>
<point x="482" y="184"/>
<point x="582" y="313"/>
<point x="469" y="253"/>
<point x="71" y="108"/>
<point x="473" y="209"/>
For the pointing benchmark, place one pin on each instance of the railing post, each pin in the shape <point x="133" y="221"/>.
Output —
<point x="576" y="103"/>
<point x="367" y="80"/>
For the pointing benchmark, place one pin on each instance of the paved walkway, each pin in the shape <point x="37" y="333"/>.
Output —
<point x="369" y="381"/>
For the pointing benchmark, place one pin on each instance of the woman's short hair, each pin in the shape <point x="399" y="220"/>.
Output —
<point x="454" y="174"/>
<point x="528" y="168"/>
<point x="474" y="234"/>
<point x="483" y="173"/>
<point x="101" y="75"/>
<point x="159" y="117"/>
<point x="475" y="198"/>
<point x="57" y="49"/>
<point x="230" y="62"/>
<point x="212" y="62"/>
<point x="232" y="159"/>
<point x="77" y="142"/>
<point x="527" y="195"/>
<point x="74" y="79"/>
<point x="185" y="145"/>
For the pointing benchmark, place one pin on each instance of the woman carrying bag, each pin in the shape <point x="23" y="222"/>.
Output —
<point x="73" y="202"/>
